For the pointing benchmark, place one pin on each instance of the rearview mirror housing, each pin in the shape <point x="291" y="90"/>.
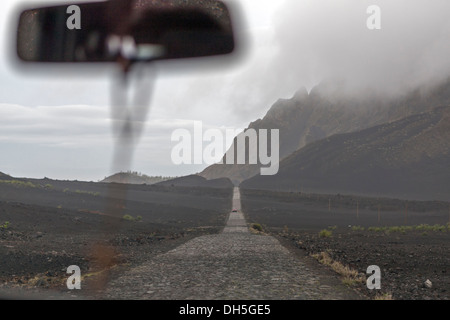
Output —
<point x="107" y="32"/>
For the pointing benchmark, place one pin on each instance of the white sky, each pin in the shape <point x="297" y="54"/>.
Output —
<point x="55" y="123"/>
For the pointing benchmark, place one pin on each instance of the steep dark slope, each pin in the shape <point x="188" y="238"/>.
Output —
<point x="330" y="108"/>
<point x="4" y="176"/>
<point x="408" y="158"/>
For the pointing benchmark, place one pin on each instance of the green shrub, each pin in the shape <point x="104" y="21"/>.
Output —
<point x="257" y="227"/>
<point x="127" y="217"/>
<point x="325" y="233"/>
<point x="394" y="229"/>
<point x="439" y="228"/>
<point x="377" y="229"/>
<point x="4" y="225"/>
<point x="357" y="228"/>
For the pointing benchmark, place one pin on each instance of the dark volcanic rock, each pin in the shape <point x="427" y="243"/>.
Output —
<point x="407" y="158"/>
<point x="331" y="108"/>
<point x="4" y="176"/>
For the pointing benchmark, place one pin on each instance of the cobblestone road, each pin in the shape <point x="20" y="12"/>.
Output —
<point x="235" y="264"/>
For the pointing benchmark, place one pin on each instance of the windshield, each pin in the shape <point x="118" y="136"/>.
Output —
<point x="155" y="134"/>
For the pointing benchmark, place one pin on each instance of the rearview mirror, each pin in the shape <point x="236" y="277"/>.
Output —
<point x="114" y="30"/>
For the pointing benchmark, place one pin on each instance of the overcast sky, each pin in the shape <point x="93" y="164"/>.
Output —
<point x="57" y="123"/>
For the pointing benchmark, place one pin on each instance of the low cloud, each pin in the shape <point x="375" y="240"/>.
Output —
<point x="325" y="39"/>
<point x="309" y="41"/>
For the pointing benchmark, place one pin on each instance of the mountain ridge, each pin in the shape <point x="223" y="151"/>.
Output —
<point x="407" y="158"/>
<point x="4" y="176"/>
<point x="330" y="108"/>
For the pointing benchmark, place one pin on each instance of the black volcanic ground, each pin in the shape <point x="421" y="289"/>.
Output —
<point x="47" y="225"/>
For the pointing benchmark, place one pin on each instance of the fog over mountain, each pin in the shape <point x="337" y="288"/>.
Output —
<point x="350" y="77"/>
<point x="407" y="158"/>
<point x="330" y="108"/>
<point x="330" y="39"/>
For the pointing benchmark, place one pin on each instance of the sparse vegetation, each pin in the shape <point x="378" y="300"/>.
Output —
<point x="342" y="201"/>
<point x="4" y="225"/>
<point x="257" y="227"/>
<point x="19" y="184"/>
<point x="95" y="194"/>
<point x="350" y="276"/>
<point x="404" y="229"/>
<point x="384" y="296"/>
<point x="434" y="228"/>
<point x="381" y="242"/>
<point x="350" y="282"/>
<point x="128" y="217"/>
<point x="325" y="233"/>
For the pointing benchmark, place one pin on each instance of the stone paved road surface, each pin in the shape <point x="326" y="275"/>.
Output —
<point x="235" y="264"/>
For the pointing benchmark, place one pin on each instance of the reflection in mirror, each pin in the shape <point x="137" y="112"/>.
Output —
<point x="106" y="32"/>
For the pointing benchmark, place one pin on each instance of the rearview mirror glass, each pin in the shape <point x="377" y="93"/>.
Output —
<point x="107" y="32"/>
